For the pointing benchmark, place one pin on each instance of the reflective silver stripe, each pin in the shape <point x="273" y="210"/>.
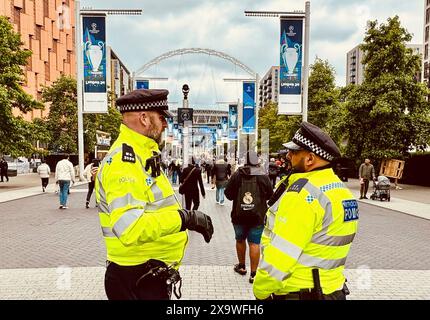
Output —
<point x="123" y="201"/>
<point x="126" y="220"/>
<point x="327" y="264"/>
<point x="156" y="191"/>
<point x="271" y="220"/>
<point x="267" y="233"/>
<point x="163" y="203"/>
<point x="325" y="203"/>
<point x="286" y="247"/>
<point x="107" y="232"/>
<point x="335" y="241"/>
<point x="273" y="272"/>
<point x="103" y="206"/>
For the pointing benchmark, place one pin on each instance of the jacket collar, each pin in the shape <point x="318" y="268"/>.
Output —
<point x="137" y="139"/>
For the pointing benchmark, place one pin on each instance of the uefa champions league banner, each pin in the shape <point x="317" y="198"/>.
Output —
<point x="232" y="122"/>
<point x="248" y="125"/>
<point x="232" y="116"/>
<point x="142" y="84"/>
<point x="94" y="58"/>
<point x="290" y="73"/>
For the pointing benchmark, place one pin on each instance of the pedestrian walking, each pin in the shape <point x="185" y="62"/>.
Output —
<point x="3" y="170"/>
<point x="220" y="174"/>
<point x="310" y="225"/>
<point x="64" y="176"/>
<point x="249" y="188"/>
<point x="366" y="172"/>
<point x="143" y="224"/>
<point x="175" y="170"/>
<point x="44" y="171"/>
<point x="191" y="180"/>
<point x="90" y="173"/>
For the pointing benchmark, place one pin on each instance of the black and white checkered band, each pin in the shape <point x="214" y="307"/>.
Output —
<point x="306" y="143"/>
<point x="144" y="106"/>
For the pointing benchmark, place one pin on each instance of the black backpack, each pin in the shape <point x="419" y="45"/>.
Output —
<point x="250" y="205"/>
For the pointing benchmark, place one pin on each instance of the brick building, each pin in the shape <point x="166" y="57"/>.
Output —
<point x="47" y="28"/>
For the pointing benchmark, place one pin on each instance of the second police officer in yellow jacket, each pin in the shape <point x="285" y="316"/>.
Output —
<point x="143" y="224"/>
<point x="310" y="225"/>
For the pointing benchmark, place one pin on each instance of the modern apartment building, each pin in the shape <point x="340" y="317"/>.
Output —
<point x="47" y="28"/>
<point x="426" y="58"/>
<point x="268" y="88"/>
<point x="355" y="67"/>
<point x="119" y="78"/>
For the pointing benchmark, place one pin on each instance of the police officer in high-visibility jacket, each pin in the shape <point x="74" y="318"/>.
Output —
<point x="143" y="224"/>
<point x="311" y="222"/>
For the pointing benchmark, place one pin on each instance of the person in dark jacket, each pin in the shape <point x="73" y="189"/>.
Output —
<point x="249" y="228"/>
<point x="3" y="169"/>
<point x="221" y="172"/>
<point x="191" y="192"/>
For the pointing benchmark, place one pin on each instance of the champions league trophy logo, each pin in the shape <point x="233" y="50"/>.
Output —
<point x="290" y="56"/>
<point x="94" y="52"/>
<point x="233" y="118"/>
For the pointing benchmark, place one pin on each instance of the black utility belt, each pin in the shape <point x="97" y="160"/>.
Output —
<point x="305" y="294"/>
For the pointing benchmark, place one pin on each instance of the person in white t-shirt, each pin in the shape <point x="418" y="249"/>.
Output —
<point x="65" y="176"/>
<point x="43" y="170"/>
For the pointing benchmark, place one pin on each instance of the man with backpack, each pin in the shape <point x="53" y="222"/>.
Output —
<point x="249" y="188"/>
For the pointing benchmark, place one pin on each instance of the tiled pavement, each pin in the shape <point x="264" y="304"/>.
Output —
<point x="41" y="246"/>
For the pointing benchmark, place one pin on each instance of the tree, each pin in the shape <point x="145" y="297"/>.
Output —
<point x="62" y="121"/>
<point x="14" y="131"/>
<point x="323" y="94"/>
<point x="281" y="128"/>
<point x="388" y="114"/>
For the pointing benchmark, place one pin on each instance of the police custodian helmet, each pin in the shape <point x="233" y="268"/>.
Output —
<point x="145" y="100"/>
<point x="310" y="137"/>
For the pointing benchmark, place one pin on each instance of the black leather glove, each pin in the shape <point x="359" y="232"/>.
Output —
<point x="197" y="221"/>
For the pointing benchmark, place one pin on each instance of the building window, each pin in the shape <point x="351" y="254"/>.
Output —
<point x="426" y="52"/>
<point x="427" y="34"/>
<point x="427" y="15"/>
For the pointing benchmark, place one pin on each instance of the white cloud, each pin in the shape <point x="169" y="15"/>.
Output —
<point x="336" y="27"/>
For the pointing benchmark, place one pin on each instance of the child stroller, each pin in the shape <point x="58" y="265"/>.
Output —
<point x="381" y="189"/>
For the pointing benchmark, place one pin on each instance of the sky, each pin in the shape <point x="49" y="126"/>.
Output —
<point x="336" y="27"/>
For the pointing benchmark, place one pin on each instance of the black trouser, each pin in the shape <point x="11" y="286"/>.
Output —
<point x="90" y="190"/>
<point x="364" y="187"/>
<point x="192" y="198"/>
<point x="122" y="283"/>
<point x="45" y="182"/>
<point x="4" y="174"/>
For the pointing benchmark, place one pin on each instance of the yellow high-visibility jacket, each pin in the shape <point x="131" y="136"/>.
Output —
<point x="138" y="213"/>
<point x="312" y="225"/>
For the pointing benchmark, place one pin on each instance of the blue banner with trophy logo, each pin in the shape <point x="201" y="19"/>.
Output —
<point x="142" y="84"/>
<point x="94" y="68"/>
<point x="232" y="116"/>
<point x="290" y="72"/>
<point x="248" y="124"/>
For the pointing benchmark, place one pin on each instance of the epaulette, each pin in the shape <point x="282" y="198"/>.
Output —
<point x="128" y="154"/>
<point x="298" y="185"/>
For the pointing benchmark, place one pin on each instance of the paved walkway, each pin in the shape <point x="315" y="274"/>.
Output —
<point x="53" y="254"/>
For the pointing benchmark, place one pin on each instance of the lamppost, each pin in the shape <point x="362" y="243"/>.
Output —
<point x="185" y="150"/>
<point x="295" y="14"/>
<point x="80" y="64"/>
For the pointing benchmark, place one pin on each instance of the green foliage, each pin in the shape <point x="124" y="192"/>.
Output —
<point x="62" y="121"/>
<point x="281" y="128"/>
<point x="15" y="132"/>
<point x="323" y="94"/>
<point x="388" y="114"/>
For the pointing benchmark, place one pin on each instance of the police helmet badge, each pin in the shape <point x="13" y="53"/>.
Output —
<point x="247" y="199"/>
